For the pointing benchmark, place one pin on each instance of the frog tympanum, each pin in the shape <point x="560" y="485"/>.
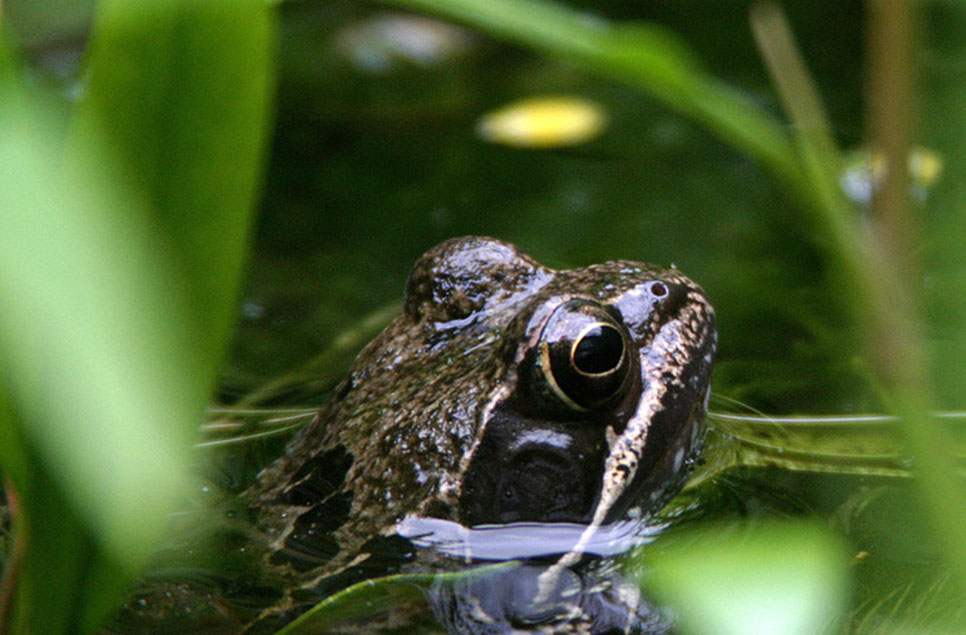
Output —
<point x="505" y="392"/>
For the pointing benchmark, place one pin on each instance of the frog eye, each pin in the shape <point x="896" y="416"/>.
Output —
<point x="583" y="355"/>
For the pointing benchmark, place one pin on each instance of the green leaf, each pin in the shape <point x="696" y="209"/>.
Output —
<point x="73" y="374"/>
<point x="780" y="579"/>
<point x="178" y="98"/>
<point x="360" y="601"/>
<point x="371" y="597"/>
<point x="119" y="267"/>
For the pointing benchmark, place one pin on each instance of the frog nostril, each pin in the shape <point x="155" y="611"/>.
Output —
<point x="659" y="289"/>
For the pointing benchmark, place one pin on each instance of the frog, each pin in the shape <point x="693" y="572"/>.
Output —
<point x="506" y="392"/>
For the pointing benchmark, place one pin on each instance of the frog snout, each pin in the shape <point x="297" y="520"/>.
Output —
<point x="540" y="485"/>
<point x="532" y="482"/>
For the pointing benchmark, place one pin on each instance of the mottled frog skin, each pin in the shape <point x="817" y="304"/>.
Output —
<point x="506" y="391"/>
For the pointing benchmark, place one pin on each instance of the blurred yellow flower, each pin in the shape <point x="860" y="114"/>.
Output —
<point x="544" y="122"/>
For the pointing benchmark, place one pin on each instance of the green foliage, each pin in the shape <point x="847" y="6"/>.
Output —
<point x="372" y="597"/>
<point x="783" y="579"/>
<point x="121" y="257"/>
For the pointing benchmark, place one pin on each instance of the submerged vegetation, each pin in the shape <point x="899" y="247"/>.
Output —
<point x="127" y="199"/>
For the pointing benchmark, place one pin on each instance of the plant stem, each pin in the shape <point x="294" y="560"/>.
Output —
<point x="897" y="333"/>
<point x="889" y="117"/>
<point x="11" y="572"/>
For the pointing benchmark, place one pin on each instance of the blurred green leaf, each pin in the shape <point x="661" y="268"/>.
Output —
<point x="180" y="108"/>
<point x="75" y="375"/>
<point x="781" y="579"/>
<point x="119" y="268"/>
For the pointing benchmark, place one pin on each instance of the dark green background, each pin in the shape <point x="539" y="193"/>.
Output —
<point x="368" y="170"/>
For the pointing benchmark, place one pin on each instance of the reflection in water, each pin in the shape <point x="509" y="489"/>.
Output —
<point x="541" y="595"/>
<point x="593" y="600"/>
<point x="523" y="540"/>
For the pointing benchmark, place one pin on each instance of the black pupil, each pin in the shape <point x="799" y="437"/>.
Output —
<point x="599" y="350"/>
